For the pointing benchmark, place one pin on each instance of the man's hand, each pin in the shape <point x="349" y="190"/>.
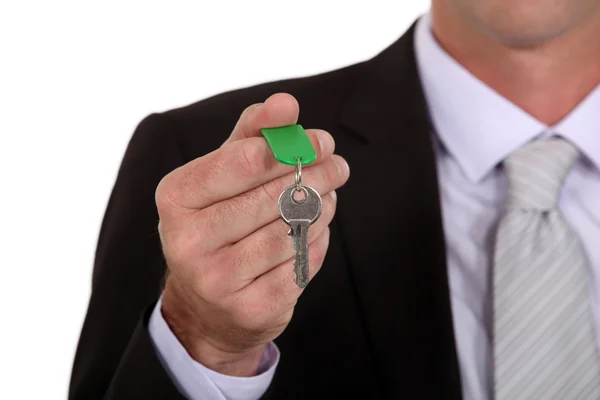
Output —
<point x="230" y="288"/>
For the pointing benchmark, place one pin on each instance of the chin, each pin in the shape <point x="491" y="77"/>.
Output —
<point x="526" y="36"/>
<point x="526" y="23"/>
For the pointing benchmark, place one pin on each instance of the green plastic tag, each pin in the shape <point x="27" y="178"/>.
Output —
<point x="289" y="143"/>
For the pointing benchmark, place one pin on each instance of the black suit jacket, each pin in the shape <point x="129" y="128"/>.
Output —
<point x="374" y="323"/>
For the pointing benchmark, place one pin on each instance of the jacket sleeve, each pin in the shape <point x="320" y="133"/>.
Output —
<point x="115" y="358"/>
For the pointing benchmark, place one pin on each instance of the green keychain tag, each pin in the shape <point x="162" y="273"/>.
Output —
<point x="289" y="143"/>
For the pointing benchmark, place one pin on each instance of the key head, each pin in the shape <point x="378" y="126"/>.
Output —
<point x="303" y="205"/>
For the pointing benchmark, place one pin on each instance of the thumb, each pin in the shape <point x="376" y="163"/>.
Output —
<point x="280" y="109"/>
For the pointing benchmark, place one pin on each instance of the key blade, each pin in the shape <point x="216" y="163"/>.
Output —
<point x="300" y="244"/>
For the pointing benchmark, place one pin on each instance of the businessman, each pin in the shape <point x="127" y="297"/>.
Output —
<point x="458" y="260"/>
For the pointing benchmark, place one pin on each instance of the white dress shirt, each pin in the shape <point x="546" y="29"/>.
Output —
<point x="475" y="129"/>
<point x="194" y="380"/>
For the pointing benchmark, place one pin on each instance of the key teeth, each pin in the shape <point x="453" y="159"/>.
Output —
<point x="301" y="284"/>
<point x="299" y="232"/>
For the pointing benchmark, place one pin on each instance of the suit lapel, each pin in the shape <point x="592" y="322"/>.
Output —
<point x="390" y="223"/>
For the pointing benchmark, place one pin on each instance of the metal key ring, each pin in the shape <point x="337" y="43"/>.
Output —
<point x="299" y="175"/>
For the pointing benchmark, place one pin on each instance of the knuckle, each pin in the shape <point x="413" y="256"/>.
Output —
<point x="178" y="263"/>
<point x="240" y="130"/>
<point x="164" y="195"/>
<point x="188" y="183"/>
<point x="252" y="160"/>
<point x="178" y="252"/>
<point x="183" y="250"/>
<point x="209" y="282"/>
<point x="198" y="178"/>
<point x="249" y="110"/>
<point x="187" y="236"/>
<point x="271" y="190"/>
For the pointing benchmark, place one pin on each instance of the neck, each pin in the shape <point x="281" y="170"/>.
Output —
<point x="547" y="80"/>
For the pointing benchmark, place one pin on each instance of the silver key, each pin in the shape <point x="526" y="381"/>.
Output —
<point x="300" y="209"/>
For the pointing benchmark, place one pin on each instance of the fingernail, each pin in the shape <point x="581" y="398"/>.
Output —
<point x="334" y="195"/>
<point x="325" y="142"/>
<point x="342" y="166"/>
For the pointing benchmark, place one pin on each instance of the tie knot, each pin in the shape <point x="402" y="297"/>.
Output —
<point x="536" y="173"/>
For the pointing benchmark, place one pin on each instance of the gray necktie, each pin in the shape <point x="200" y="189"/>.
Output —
<point x="544" y="340"/>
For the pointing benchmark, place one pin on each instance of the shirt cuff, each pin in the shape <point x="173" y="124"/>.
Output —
<point x="197" y="382"/>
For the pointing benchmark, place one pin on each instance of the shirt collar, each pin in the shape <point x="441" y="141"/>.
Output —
<point x="477" y="125"/>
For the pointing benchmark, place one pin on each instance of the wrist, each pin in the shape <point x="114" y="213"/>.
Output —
<point x="214" y="356"/>
<point x="244" y="364"/>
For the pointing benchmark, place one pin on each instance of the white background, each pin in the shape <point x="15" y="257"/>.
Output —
<point x="75" y="79"/>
